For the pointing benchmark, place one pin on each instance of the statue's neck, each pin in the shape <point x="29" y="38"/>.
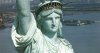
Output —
<point x="51" y="36"/>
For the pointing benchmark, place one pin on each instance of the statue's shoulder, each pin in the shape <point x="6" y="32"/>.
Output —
<point x="65" y="42"/>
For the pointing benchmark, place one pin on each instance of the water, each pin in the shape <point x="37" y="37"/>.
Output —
<point x="84" y="39"/>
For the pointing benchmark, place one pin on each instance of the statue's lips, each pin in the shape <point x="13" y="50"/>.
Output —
<point x="53" y="26"/>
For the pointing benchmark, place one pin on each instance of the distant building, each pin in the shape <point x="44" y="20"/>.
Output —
<point x="7" y="1"/>
<point x="88" y="1"/>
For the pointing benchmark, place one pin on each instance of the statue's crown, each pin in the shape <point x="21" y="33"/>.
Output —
<point x="48" y="4"/>
<point x="43" y="1"/>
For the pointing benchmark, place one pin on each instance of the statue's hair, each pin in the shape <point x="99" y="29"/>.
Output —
<point x="44" y="14"/>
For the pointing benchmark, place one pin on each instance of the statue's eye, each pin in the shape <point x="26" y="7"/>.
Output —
<point x="48" y="18"/>
<point x="57" y="17"/>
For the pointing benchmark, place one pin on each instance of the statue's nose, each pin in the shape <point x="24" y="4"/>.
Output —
<point x="53" y="21"/>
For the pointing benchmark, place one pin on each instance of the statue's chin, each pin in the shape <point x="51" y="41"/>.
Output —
<point x="50" y="30"/>
<point x="53" y="30"/>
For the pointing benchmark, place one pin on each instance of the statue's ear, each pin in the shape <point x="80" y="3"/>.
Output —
<point x="38" y="17"/>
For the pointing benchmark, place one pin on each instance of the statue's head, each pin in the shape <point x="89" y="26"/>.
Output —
<point x="49" y="16"/>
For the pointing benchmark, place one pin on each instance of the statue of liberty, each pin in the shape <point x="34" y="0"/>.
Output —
<point x="39" y="32"/>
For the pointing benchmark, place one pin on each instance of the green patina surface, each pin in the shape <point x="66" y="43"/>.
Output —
<point x="41" y="33"/>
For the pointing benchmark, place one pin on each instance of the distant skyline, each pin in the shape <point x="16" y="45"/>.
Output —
<point x="10" y="4"/>
<point x="7" y="1"/>
<point x="87" y="1"/>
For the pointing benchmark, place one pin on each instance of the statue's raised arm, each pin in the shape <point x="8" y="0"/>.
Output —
<point x="23" y="16"/>
<point x="24" y="26"/>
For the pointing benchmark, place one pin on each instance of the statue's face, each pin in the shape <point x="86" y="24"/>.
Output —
<point x="51" y="22"/>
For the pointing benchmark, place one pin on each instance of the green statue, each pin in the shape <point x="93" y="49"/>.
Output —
<point x="39" y="33"/>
